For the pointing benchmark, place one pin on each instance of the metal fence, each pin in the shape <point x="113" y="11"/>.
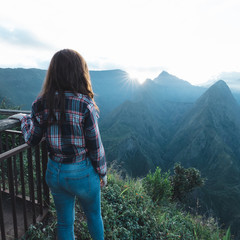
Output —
<point x="24" y="195"/>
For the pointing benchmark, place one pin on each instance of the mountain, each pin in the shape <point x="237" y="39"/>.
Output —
<point x="232" y="79"/>
<point x="136" y="133"/>
<point x="132" y="137"/>
<point x="166" y="79"/>
<point x="208" y="138"/>
<point x="155" y="131"/>
<point x="112" y="88"/>
<point x="167" y="87"/>
<point x="21" y="86"/>
<point x="216" y="111"/>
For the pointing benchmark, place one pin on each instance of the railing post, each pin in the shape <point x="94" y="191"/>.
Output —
<point x="1" y="217"/>
<point x="2" y="165"/>
<point x="15" y="165"/>
<point x="44" y="168"/>
<point x="23" y="190"/>
<point x="39" y="182"/>
<point x="31" y="183"/>
<point x="12" y="194"/>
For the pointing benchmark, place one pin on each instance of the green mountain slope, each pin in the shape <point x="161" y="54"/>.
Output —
<point x="21" y="86"/>
<point x="137" y="132"/>
<point x="209" y="139"/>
<point x="132" y="137"/>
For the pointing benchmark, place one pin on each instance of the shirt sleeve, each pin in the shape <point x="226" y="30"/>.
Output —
<point x="32" y="128"/>
<point x="93" y="141"/>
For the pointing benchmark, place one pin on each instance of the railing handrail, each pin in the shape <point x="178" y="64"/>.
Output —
<point x="10" y="112"/>
<point x="15" y="150"/>
<point x="8" y="124"/>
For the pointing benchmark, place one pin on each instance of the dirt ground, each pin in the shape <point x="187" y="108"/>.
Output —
<point x="8" y="217"/>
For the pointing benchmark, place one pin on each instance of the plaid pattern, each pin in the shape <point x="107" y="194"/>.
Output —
<point x="76" y="139"/>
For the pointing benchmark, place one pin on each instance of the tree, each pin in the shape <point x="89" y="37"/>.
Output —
<point x="184" y="181"/>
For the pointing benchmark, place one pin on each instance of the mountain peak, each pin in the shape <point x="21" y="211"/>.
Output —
<point x="218" y="91"/>
<point x="166" y="79"/>
<point x="220" y="84"/>
<point x="219" y="97"/>
<point x="164" y="74"/>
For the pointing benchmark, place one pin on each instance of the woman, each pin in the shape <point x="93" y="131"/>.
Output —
<point x="66" y="114"/>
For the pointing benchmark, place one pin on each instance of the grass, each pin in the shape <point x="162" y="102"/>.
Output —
<point x="129" y="213"/>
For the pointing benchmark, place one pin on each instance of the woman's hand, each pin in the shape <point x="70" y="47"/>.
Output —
<point x="18" y="116"/>
<point x="103" y="181"/>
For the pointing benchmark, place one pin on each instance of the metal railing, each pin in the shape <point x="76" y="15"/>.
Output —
<point x="24" y="195"/>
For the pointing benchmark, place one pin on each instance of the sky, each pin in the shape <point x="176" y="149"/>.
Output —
<point x="195" y="40"/>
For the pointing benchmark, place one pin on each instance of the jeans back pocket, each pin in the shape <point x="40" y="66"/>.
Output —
<point x="79" y="186"/>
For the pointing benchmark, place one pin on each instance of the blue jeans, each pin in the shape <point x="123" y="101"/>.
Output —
<point x="67" y="181"/>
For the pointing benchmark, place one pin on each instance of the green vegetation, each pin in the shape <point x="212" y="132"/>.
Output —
<point x="158" y="186"/>
<point x="130" y="210"/>
<point x="184" y="181"/>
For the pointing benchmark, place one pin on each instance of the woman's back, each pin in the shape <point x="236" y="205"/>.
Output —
<point x="66" y="114"/>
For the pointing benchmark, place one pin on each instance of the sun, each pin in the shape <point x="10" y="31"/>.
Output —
<point x="140" y="76"/>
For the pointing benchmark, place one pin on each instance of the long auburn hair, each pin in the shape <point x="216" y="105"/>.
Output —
<point x="68" y="71"/>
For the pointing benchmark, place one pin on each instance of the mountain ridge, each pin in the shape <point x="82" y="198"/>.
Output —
<point x="208" y="138"/>
<point x="166" y="79"/>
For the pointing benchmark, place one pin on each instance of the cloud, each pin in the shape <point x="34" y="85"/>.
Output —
<point x="103" y="64"/>
<point x="231" y="77"/>
<point x="43" y="64"/>
<point x="20" y="37"/>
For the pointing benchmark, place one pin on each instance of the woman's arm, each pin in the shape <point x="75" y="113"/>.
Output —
<point x="94" y="143"/>
<point x="32" y="127"/>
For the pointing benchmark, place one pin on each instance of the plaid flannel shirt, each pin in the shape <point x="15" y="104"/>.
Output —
<point x="76" y="139"/>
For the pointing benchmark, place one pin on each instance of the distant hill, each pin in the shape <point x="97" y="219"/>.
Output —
<point x="167" y="87"/>
<point x="166" y="79"/>
<point x="21" y="87"/>
<point x="112" y="88"/>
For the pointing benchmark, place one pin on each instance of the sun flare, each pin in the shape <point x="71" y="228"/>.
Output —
<point x="140" y="76"/>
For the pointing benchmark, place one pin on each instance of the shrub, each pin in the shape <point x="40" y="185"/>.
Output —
<point x="184" y="181"/>
<point x="158" y="186"/>
<point x="41" y="231"/>
<point x="177" y="224"/>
